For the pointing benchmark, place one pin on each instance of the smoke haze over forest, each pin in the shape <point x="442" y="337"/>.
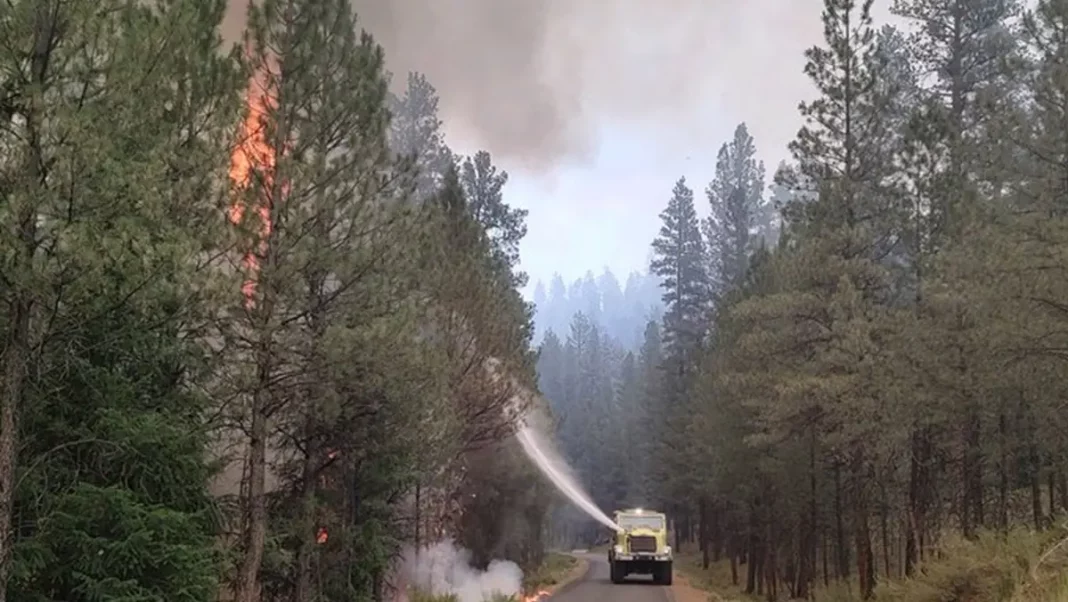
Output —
<point x="266" y="321"/>
<point x="594" y="109"/>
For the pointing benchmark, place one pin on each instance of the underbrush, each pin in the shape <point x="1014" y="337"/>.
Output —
<point x="1021" y="566"/>
<point x="552" y="571"/>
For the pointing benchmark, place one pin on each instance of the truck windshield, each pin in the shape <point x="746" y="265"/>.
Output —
<point x="631" y="521"/>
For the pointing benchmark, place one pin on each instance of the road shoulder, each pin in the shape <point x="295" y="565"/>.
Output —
<point x="683" y="591"/>
<point x="573" y="576"/>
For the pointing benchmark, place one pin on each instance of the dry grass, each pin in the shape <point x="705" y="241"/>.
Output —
<point x="716" y="580"/>
<point x="1022" y="566"/>
<point x="553" y="570"/>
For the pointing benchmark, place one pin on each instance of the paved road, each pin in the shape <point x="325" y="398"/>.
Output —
<point x="596" y="586"/>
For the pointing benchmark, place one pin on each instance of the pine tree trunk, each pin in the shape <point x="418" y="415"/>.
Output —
<point x="703" y="528"/>
<point x="914" y="516"/>
<point x="1051" y="486"/>
<point x="1003" y="476"/>
<point x="865" y="564"/>
<point x="805" y="562"/>
<point x="825" y="554"/>
<point x="732" y="552"/>
<point x="1036" y="485"/>
<point x="15" y="354"/>
<point x="418" y="507"/>
<point x="716" y="537"/>
<point x="972" y="473"/>
<point x="14" y="359"/>
<point x="809" y="524"/>
<point x="753" y="553"/>
<point x="307" y="533"/>
<point x="885" y="527"/>
<point x="771" y="571"/>
<point x="842" y="547"/>
<point x="248" y="578"/>
<point x="1063" y="481"/>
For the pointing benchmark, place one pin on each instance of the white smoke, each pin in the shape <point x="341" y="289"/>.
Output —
<point x="445" y="568"/>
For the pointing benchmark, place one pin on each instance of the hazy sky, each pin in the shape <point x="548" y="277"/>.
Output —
<point x="596" y="107"/>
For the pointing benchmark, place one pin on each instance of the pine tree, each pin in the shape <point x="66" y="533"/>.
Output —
<point x="110" y="162"/>
<point x="681" y="263"/>
<point x="505" y="225"/>
<point x="736" y="197"/>
<point x="321" y="165"/>
<point x="415" y="134"/>
<point x="962" y="43"/>
<point x="965" y="44"/>
<point x="834" y="276"/>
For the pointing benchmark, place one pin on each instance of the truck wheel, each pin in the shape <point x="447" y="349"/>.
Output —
<point x="616" y="572"/>
<point x="663" y="575"/>
<point x="668" y="574"/>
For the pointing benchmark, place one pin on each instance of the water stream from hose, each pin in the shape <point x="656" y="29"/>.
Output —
<point x="552" y="466"/>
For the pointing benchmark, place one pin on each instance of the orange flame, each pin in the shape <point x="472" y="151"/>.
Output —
<point x="252" y="156"/>
<point x="537" y="596"/>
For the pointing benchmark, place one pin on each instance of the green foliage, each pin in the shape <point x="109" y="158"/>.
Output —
<point x="131" y="342"/>
<point x="111" y="496"/>
<point x="883" y="380"/>
<point x="108" y="544"/>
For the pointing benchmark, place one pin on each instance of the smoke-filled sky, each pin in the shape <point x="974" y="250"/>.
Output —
<point x="596" y="107"/>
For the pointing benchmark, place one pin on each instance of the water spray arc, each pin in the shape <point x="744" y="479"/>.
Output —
<point x="556" y="471"/>
<point x="541" y="453"/>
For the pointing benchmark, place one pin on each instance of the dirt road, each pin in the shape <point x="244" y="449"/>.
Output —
<point x="596" y="587"/>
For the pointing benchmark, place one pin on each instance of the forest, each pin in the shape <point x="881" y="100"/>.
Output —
<point x="621" y="310"/>
<point x="253" y="309"/>
<point x="249" y="297"/>
<point x="840" y="391"/>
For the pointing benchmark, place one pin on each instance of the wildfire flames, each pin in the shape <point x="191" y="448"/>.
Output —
<point x="253" y="157"/>
<point x="537" y="596"/>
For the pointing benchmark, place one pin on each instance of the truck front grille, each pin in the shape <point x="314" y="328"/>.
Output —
<point x="642" y="543"/>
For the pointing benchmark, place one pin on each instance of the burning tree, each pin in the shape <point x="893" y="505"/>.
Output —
<point x="327" y="388"/>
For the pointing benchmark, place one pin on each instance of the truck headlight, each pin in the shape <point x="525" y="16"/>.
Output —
<point x="619" y="549"/>
<point x="667" y="549"/>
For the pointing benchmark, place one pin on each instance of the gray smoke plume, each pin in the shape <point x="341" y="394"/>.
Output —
<point x="444" y="568"/>
<point x="532" y="81"/>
